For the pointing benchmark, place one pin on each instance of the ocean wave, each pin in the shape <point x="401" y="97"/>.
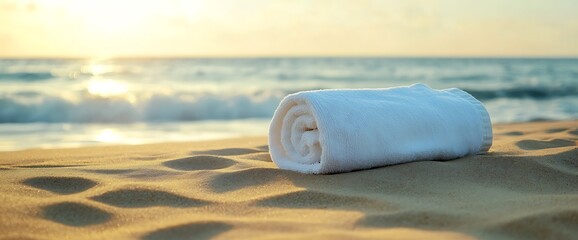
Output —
<point x="26" y="76"/>
<point x="19" y="108"/>
<point x="30" y="106"/>
<point x="531" y="92"/>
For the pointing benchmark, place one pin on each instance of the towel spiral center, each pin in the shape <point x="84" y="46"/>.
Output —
<point x="302" y="143"/>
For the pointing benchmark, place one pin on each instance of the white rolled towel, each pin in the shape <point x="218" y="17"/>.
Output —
<point x="331" y="131"/>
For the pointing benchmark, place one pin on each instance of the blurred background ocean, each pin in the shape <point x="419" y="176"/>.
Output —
<point x="47" y="103"/>
<point x="81" y="72"/>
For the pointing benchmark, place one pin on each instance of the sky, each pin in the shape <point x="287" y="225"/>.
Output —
<point x="222" y="28"/>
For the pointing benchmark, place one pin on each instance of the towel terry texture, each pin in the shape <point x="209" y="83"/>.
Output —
<point x="331" y="131"/>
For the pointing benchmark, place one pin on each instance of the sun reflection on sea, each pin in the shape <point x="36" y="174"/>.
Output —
<point x="97" y="69"/>
<point x="108" y="136"/>
<point x="107" y="87"/>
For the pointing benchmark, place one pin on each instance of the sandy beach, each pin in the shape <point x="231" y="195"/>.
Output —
<point x="526" y="188"/>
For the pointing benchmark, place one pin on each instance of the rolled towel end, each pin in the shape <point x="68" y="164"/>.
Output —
<point x="330" y="131"/>
<point x="295" y="136"/>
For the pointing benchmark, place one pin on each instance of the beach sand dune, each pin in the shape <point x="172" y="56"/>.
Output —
<point x="525" y="187"/>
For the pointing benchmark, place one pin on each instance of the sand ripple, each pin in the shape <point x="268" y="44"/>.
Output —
<point x="197" y="230"/>
<point x="537" y="145"/>
<point x="75" y="214"/>
<point x="237" y="180"/>
<point x="202" y="162"/>
<point x="140" y="197"/>
<point x="61" y="185"/>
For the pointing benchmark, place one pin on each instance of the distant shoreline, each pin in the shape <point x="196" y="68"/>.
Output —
<point x="491" y="57"/>
<point x="530" y="124"/>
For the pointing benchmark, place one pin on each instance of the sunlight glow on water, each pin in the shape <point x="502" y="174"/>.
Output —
<point x="107" y="87"/>
<point x="108" y="135"/>
<point x="15" y="136"/>
<point x="96" y="69"/>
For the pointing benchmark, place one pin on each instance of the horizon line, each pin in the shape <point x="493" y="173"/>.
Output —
<point x="272" y="56"/>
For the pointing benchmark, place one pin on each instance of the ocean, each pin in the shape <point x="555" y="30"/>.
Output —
<point x="55" y="103"/>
